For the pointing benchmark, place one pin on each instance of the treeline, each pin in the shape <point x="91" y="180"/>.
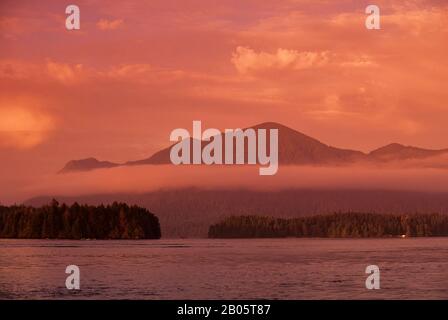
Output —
<point x="189" y="212"/>
<point x="54" y="221"/>
<point x="337" y="225"/>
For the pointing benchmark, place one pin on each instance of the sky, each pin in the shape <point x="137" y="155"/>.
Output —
<point x="138" y="69"/>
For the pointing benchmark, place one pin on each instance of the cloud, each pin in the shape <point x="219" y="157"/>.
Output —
<point x="23" y="128"/>
<point x="300" y="63"/>
<point x="77" y="73"/>
<point x="359" y="62"/>
<point x="129" y="71"/>
<point x="246" y="60"/>
<point x="12" y="27"/>
<point x="105" y="24"/>
<point x="420" y="21"/>
<point x="63" y="72"/>
<point x="18" y="70"/>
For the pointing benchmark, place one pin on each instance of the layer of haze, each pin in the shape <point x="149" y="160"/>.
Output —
<point x="140" y="179"/>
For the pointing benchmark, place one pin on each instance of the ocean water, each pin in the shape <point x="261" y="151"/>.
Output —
<point x="225" y="269"/>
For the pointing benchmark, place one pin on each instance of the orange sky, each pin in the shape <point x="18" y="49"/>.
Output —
<point x="138" y="69"/>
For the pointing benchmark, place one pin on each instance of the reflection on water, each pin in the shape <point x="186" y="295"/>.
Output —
<point x="225" y="269"/>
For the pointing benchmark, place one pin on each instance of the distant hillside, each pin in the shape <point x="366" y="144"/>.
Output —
<point x="295" y="148"/>
<point x="337" y="225"/>
<point x="116" y="221"/>
<point x="190" y="212"/>
<point x="396" y="151"/>
<point x="86" y="165"/>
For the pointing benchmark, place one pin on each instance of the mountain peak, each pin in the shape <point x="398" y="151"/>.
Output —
<point x="270" y="125"/>
<point x="391" y="147"/>
<point x="86" y="164"/>
<point x="395" y="145"/>
<point x="397" y="151"/>
<point x="295" y="148"/>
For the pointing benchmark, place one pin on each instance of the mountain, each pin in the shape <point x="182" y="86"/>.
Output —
<point x="86" y="165"/>
<point x="295" y="148"/>
<point x="300" y="149"/>
<point x="396" y="151"/>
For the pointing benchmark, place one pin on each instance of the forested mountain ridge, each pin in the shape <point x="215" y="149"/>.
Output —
<point x="337" y="225"/>
<point x="54" y="221"/>
<point x="188" y="212"/>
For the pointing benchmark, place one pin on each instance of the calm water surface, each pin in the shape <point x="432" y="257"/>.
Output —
<point x="225" y="269"/>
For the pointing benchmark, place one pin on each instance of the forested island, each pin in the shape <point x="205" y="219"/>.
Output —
<point x="337" y="225"/>
<point x="54" y="221"/>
